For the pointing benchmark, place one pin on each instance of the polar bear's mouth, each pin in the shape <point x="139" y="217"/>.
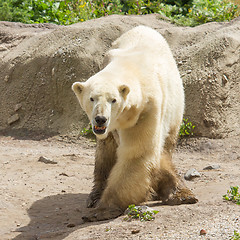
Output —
<point x="99" y="130"/>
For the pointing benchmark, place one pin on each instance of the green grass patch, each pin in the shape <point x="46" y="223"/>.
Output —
<point x="233" y="195"/>
<point x="236" y="236"/>
<point x="141" y="213"/>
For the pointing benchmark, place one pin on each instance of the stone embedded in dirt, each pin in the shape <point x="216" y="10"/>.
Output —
<point x="203" y="232"/>
<point x="46" y="160"/>
<point x="135" y="231"/>
<point x="207" y="146"/>
<point x="191" y="173"/>
<point x="63" y="174"/>
<point x="3" y="48"/>
<point x="13" y="119"/>
<point x="71" y="225"/>
<point x="212" y="167"/>
<point x="6" y="78"/>
<point x="17" y="107"/>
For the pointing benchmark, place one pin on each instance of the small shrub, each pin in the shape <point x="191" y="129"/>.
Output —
<point x="14" y="11"/>
<point x="236" y="236"/>
<point x="138" y="212"/>
<point x="203" y="11"/>
<point x="87" y="131"/>
<point x="233" y="195"/>
<point x="186" y="128"/>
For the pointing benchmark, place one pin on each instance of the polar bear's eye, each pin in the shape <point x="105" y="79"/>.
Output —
<point x="114" y="100"/>
<point x="91" y="99"/>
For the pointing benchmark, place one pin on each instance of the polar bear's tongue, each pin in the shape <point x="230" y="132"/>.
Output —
<point x="99" y="130"/>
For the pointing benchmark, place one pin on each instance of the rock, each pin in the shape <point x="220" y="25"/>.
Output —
<point x="207" y="146"/>
<point x="14" y="118"/>
<point x="203" y="232"/>
<point x="17" y="107"/>
<point x="63" y="174"/>
<point x="3" y="48"/>
<point x="212" y="167"/>
<point x="6" y="78"/>
<point x="71" y="225"/>
<point x="191" y="173"/>
<point x="46" y="160"/>
<point x="135" y="231"/>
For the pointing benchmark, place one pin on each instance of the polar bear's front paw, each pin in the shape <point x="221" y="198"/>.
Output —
<point x="100" y="214"/>
<point x="93" y="199"/>
<point x="181" y="196"/>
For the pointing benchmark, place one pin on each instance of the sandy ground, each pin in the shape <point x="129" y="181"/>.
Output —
<point x="46" y="201"/>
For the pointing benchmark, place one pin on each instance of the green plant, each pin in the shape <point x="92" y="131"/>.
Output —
<point x="186" y="128"/>
<point x="203" y="11"/>
<point x="233" y="195"/>
<point x="236" y="236"/>
<point x="140" y="212"/>
<point x="107" y="229"/>
<point x="87" y="131"/>
<point x="59" y="12"/>
<point x="14" y="10"/>
<point x="44" y="11"/>
<point x="184" y="12"/>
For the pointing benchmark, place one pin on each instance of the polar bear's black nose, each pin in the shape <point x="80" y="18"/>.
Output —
<point x="100" y="120"/>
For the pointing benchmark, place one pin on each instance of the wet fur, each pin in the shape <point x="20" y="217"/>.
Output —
<point x="165" y="185"/>
<point x="134" y="158"/>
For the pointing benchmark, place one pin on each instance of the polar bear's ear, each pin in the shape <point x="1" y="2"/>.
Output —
<point x="77" y="87"/>
<point x="124" y="90"/>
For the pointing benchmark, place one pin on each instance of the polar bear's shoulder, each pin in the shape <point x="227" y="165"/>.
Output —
<point x="141" y="37"/>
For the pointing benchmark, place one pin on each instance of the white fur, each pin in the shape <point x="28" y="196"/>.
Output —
<point x="143" y="118"/>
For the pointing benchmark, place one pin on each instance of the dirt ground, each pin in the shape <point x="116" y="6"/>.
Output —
<point x="47" y="200"/>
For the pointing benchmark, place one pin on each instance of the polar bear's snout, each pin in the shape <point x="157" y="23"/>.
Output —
<point x="100" y="120"/>
<point x="99" y="126"/>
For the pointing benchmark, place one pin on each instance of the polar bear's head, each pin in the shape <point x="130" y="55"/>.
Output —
<point x="103" y="101"/>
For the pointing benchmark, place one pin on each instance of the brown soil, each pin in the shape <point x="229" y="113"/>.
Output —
<point x="46" y="201"/>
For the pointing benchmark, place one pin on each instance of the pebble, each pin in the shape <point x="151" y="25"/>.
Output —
<point x="203" y="232"/>
<point x="17" y="107"/>
<point x="63" y="174"/>
<point x="13" y="119"/>
<point x="212" y="167"/>
<point x="191" y="173"/>
<point x="135" y="231"/>
<point x="71" y="225"/>
<point x="46" y="160"/>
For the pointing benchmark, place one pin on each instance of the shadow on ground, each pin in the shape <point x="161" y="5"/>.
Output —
<point x="55" y="217"/>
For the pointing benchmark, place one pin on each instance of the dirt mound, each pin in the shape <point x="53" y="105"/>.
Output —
<point x="39" y="63"/>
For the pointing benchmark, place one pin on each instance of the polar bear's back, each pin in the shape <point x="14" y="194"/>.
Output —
<point x="146" y="48"/>
<point x="151" y="54"/>
<point x="143" y="38"/>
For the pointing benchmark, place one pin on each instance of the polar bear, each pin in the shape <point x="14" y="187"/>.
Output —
<point x="135" y="105"/>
